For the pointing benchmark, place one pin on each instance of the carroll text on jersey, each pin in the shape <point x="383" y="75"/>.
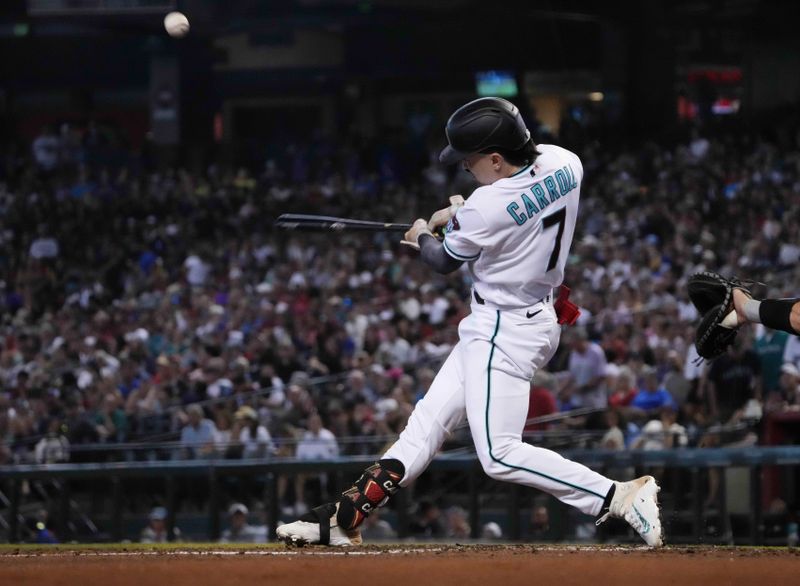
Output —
<point x="544" y="192"/>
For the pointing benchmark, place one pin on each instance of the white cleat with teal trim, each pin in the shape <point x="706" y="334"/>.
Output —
<point x="636" y="501"/>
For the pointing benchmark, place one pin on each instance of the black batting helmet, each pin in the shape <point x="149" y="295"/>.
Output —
<point x="483" y="124"/>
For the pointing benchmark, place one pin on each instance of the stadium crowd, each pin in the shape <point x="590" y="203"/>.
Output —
<point x="142" y="306"/>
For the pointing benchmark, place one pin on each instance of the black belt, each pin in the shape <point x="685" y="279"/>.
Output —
<point x="480" y="300"/>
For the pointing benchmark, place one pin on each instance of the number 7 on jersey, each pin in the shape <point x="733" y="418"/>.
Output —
<point x="559" y="218"/>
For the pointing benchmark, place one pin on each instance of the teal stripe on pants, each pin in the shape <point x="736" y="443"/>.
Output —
<point x="489" y="437"/>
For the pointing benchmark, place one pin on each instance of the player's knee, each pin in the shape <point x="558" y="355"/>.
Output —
<point x="494" y="462"/>
<point x="494" y="469"/>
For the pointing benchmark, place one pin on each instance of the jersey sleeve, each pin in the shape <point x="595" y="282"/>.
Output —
<point x="466" y="234"/>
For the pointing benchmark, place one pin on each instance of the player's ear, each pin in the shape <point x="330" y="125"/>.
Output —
<point x="497" y="161"/>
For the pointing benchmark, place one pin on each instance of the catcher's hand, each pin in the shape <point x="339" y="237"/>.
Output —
<point x="712" y="295"/>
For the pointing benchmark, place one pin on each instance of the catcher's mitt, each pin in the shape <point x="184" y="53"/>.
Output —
<point x="712" y="295"/>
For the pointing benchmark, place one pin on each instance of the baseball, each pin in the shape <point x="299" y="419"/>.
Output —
<point x="177" y="24"/>
<point x="730" y="321"/>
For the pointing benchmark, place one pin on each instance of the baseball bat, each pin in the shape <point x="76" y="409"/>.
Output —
<point x="315" y="222"/>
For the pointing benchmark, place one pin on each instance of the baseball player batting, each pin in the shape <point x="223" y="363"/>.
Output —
<point x="514" y="233"/>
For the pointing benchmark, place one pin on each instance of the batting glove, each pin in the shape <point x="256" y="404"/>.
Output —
<point x="441" y="217"/>
<point x="419" y="227"/>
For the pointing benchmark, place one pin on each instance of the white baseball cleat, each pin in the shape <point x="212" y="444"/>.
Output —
<point x="636" y="501"/>
<point x="318" y="527"/>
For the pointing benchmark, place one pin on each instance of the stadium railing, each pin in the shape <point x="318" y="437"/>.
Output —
<point x="692" y="461"/>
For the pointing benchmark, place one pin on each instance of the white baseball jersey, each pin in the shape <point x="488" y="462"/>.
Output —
<point x="516" y="233"/>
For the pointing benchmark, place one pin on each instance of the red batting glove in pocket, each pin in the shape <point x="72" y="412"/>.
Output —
<point x="566" y="310"/>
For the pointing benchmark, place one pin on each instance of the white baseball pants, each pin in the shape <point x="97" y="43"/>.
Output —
<point x="486" y="378"/>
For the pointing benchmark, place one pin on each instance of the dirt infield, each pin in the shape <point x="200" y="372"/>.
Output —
<point x="400" y="564"/>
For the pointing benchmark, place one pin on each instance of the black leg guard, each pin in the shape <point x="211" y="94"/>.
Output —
<point x="377" y="484"/>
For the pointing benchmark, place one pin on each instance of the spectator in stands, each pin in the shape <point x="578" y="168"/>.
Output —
<point x="199" y="435"/>
<point x="218" y="384"/>
<point x="316" y="443"/>
<point x="491" y="531"/>
<point x="733" y="379"/>
<point x="587" y="366"/>
<point x="613" y="439"/>
<point x="254" y="438"/>
<point x="674" y="379"/>
<point x="298" y="407"/>
<point x="456" y="523"/>
<point x="240" y="531"/>
<point x="624" y="391"/>
<point x="542" y="401"/>
<point x="787" y="397"/>
<point x="793" y="398"/>
<point x="663" y="433"/>
<point x="223" y="422"/>
<point x="403" y="392"/>
<point x="54" y="446"/>
<point x="769" y="347"/>
<point x="156" y="529"/>
<point x="110" y="420"/>
<point x="80" y="428"/>
<point x="357" y="389"/>
<point x="47" y="149"/>
<point x="539" y="528"/>
<point x="427" y="522"/>
<point x="145" y="405"/>
<point x="652" y="397"/>
<point x="375" y="528"/>
<point x="394" y="349"/>
<point x="791" y="353"/>
<point x="565" y="393"/>
<point x="380" y="379"/>
<point x="424" y="377"/>
<point x="130" y="377"/>
<point x="197" y="269"/>
<point x="286" y="361"/>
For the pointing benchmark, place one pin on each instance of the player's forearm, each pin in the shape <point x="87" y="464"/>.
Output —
<point x="778" y="314"/>
<point x="434" y="255"/>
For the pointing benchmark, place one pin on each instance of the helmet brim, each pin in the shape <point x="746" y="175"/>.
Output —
<point x="449" y="155"/>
